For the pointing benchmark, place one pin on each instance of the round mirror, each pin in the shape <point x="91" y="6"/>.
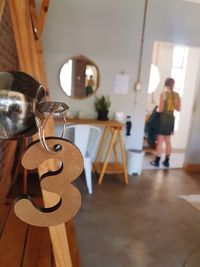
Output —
<point x="79" y="77"/>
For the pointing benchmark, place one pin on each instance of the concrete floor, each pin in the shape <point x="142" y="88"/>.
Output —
<point x="143" y="224"/>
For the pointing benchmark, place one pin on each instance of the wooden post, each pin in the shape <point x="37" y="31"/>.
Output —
<point x="2" y="3"/>
<point x="31" y="61"/>
<point x="42" y="16"/>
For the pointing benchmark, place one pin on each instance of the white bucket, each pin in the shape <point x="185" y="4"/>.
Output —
<point x="134" y="159"/>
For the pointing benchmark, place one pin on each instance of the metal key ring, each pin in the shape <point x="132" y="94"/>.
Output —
<point x="50" y="108"/>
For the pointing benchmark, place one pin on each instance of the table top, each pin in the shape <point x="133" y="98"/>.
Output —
<point x="109" y="123"/>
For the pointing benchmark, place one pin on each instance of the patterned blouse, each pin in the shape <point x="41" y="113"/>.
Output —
<point x="171" y="101"/>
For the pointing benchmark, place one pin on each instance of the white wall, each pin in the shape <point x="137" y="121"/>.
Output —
<point x="109" y="33"/>
<point x="179" y="140"/>
<point x="193" y="151"/>
<point x="106" y="32"/>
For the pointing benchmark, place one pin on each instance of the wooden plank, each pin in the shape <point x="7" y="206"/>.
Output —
<point x="12" y="241"/>
<point x="32" y="8"/>
<point x="73" y="244"/>
<point x="114" y="150"/>
<point x="108" y="123"/>
<point x="24" y="37"/>
<point x="5" y="184"/>
<point x="111" y="168"/>
<point x="60" y="245"/>
<point x="31" y="60"/>
<point x="101" y="145"/>
<point x="2" y="3"/>
<point x="38" y="20"/>
<point x="38" y="47"/>
<point x="5" y="206"/>
<point x="111" y="143"/>
<point x="38" y="251"/>
<point x="6" y="178"/>
<point x="42" y="16"/>
<point x="38" y="248"/>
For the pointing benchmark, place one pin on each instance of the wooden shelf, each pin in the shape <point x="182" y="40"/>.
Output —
<point x="111" y="168"/>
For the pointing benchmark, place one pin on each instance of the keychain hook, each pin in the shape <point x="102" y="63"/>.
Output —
<point x="44" y="111"/>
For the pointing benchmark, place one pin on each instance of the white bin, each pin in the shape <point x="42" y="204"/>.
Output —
<point x="134" y="160"/>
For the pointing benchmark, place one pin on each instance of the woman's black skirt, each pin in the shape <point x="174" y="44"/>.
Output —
<point x="166" y="124"/>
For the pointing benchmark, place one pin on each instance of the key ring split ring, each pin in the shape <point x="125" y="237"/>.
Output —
<point x="50" y="108"/>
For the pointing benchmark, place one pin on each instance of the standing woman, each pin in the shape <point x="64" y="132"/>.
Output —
<point x="169" y="101"/>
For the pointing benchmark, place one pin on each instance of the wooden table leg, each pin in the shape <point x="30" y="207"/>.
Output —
<point x="101" y="145"/>
<point x="114" y="150"/>
<point x="114" y="133"/>
<point x="123" y="156"/>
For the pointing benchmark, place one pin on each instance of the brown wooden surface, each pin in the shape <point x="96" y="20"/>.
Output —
<point x="112" y="167"/>
<point x="2" y="3"/>
<point x="108" y="150"/>
<point x="31" y="61"/>
<point x="109" y="123"/>
<point x="73" y="248"/>
<point x="6" y="178"/>
<point x="29" y="246"/>
<point x="12" y="241"/>
<point x="38" y="251"/>
<point x="5" y="184"/>
<point x="42" y="16"/>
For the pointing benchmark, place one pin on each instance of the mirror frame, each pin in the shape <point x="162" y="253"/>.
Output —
<point x="98" y="76"/>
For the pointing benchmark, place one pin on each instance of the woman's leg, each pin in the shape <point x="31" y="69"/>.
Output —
<point x="168" y="144"/>
<point x="160" y="139"/>
<point x="167" y="140"/>
<point x="156" y="161"/>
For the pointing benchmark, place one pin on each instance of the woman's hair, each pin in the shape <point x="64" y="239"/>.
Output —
<point x="169" y="82"/>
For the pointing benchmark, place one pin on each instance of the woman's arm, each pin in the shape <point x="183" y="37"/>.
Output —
<point x="161" y="103"/>
<point x="178" y="105"/>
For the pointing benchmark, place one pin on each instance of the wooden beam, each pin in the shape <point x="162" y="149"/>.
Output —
<point x="33" y="18"/>
<point x="24" y="38"/>
<point x="38" y="44"/>
<point x="75" y="257"/>
<point x="12" y="252"/>
<point x="42" y="16"/>
<point x="31" y="61"/>
<point x="2" y="3"/>
<point x="6" y="179"/>
<point x="6" y="182"/>
<point x="38" y="19"/>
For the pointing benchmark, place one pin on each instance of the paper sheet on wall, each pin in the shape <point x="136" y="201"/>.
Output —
<point x="121" y="84"/>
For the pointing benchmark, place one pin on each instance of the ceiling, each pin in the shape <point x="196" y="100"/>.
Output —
<point x="194" y="1"/>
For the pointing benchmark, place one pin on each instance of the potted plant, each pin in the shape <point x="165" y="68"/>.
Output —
<point x="102" y="105"/>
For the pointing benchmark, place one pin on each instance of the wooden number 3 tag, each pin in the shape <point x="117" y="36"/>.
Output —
<point x="58" y="182"/>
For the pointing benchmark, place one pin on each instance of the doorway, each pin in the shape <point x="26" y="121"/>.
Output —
<point x="181" y="63"/>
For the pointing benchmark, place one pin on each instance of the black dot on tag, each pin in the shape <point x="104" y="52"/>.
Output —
<point x="57" y="147"/>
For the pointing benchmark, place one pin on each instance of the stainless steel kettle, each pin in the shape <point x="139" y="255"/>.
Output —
<point x="20" y="95"/>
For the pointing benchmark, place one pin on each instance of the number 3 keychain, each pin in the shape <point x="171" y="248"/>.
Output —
<point x="23" y="112"/>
